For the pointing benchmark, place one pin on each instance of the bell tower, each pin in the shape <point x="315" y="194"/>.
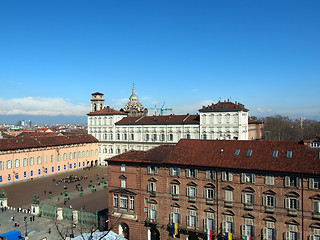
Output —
<point x="97" y="101"/>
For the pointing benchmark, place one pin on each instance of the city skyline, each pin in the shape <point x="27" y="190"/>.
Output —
<point x="265" y="55"/>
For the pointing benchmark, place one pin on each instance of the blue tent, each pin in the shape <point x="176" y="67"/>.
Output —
<point x="12" y="235"/>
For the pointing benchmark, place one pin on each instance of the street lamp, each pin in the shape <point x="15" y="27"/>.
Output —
<point x="26" y="225"/>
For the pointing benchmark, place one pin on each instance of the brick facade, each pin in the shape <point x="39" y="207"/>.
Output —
<point x="294" y="214"/>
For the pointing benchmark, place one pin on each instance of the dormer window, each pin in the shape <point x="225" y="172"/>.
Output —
<point x="152" y="170"/>
<point x="275" y="153"/>
<point x="249" y="153"/>
<point x="237" y="152"/>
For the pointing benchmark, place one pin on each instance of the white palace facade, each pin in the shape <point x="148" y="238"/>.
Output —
<point x="131" y="129"/>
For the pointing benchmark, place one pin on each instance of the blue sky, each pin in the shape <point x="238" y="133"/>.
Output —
<point x="264" y="54"/>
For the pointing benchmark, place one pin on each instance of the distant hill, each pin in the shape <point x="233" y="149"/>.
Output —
<point x="13" y="119"/>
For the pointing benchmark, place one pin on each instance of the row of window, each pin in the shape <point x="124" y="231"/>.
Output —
<point x="31" y="161"/>
<point x="269" y="232"/>
<point x="44" y="171"/>
<point x="289" y="181"/>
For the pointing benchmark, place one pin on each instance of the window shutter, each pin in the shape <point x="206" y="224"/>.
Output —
<point x="155" y="187"/>
<point x="224" y="227"/>
<point x="243" y="230"/>
<point x="253" y="233"/>
<point x="171" y="217"/>
<point x="298" y="204"/>
<point x="233" y="227"/>
<point x="298" y="236"/>
<point x="156" y="170"/>
<point x="287" y="202"/>
<point x="196" y="173"/>
<point x="275" y="201"/>
<point x="253" y="198"/>
<point x="188" y="191"/>
<point x="298" y="183"/>
<point x="171" y="189"/>
<point x="214" y="194"/>
<point x="286" y="181"/>
<point x="311" y="183"/>
<point x="197" y="223"/>
<point x="243" y="196"/>
<point x="230" y="177"/>
<point x="177" y="189"/>
<point x="196" y="192"/>
<point x="224" y="176"/>
<point x="149" y="169"/>
<point x="205" y="224"/>
<point x="208" y="174"/>
<point x="243" y="178"/>
<point x="179" y="218"/>
<point x="205" y="193"/>
<point x="171" y="171"/>
<point x="178" y="172"/>
<point x="316" y="206"/>
<point x="265" y="233"/>
<point x="253" y="178"/>
<point x="148" y="187"/>
<point x="264" y="201"/>
<point x="188" y="220"/>
<point x="187" y="172"/>
<point x="275" y="233"/>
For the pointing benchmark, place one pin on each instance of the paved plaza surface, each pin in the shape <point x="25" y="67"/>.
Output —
<point x="20" y="195"/>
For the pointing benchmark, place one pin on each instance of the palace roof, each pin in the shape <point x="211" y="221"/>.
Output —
<point x="160" y="120"/>
<point x="225" y="106"/>
<point x="291" y="157"/>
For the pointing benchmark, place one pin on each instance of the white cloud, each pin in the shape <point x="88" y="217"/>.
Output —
<point x="261" y="110"/>
<point x="191" y="108"/>
<point x="41" y="106"/>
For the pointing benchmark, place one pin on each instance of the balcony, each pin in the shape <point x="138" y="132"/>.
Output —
<point x="315" y="215"/>
<point x="192" y="199"/>
<point x="228" y="204"/>
<point x="292" y="212"/>
<point x="150" y="221"/>
<point x="209" y="201"/>
<point x="269" y="209"/>
<point x="153" y="194"/>
<point x="175" y="197"/>
<point x="248" y="206"/>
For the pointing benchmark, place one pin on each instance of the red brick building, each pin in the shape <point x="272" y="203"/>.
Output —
<point x="258" y="189"/>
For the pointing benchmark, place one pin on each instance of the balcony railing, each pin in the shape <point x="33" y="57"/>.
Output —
<point x="228" y="203"/>
<point x="316" y="215"/>
<point x="292" y="212"/>
<point x="175" y="197"/>
<point x="248" y="206"/>
<point x="209" y="201"/>
<point x="269" y="209"/>
<point x="153" y="221"/>
<point x="192" y="199"/>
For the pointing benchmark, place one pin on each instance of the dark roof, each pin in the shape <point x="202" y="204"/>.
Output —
<point x="97" y="93"/>
<point x="106" y="111"/>
<point x="35" y="142"/>
<point x="161" y="120"/>
<point x="221" y="154"/>
<point x="223" y="106"/>
<point x="154" y="155"/>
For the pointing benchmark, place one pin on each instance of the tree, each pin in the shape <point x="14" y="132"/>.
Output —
<point x="284" y="128"/>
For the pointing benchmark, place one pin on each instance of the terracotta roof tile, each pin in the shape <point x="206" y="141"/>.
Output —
<point x="223" y="106"/>
<point x="221" y="154"/>
<point x="106" y="111"/>
<point x="161" y="120"/>
<point x="40" y="141"/>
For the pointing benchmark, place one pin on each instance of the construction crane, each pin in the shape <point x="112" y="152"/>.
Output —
<point x="301" y="120"/>
<point x="162" y="109"/>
